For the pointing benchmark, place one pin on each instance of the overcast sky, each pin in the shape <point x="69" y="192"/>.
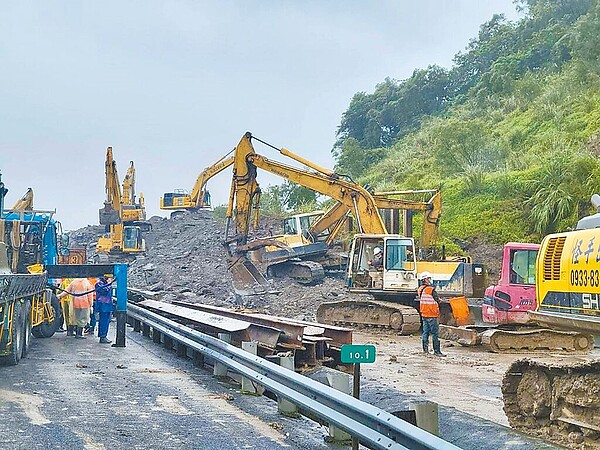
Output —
<point x="173" y="85"/>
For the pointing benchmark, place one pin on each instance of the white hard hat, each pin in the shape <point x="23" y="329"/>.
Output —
<point x="376" y="251"/>
<point x="424" y="275"/>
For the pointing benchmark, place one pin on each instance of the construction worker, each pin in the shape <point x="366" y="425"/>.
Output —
<point x="82" y="292"/>
<point x="104" y="307"/>
<point x="66" y="302"/>
<point x="377" y="261"/>
<point x="430" y="311"/>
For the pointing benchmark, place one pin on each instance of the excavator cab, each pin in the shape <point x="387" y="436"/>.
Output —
<point x="132" y="240"/>
<point x="397" y="272"/>
<point x="122" y="239"/>
<point x="300" y="223"/>
<point x="178" y="199"/>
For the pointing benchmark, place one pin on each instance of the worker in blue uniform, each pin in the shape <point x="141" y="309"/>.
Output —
<point x="104" y="307"/>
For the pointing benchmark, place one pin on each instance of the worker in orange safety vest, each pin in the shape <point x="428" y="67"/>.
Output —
<point x="83" y="299"/>
<point x="430" y="312"/>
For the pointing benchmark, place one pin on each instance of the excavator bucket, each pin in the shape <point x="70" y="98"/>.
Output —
<point x="108" y="215"/>
<point x="460" y="311"/>
<point x="247" y="279"/>
<point x="455" y="312"/>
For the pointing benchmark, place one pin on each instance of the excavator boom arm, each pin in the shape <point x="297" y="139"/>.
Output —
<point x="199" y="189"/>
<point x="352" y="196"/>
<point x="332" y="219"/>
<point x="432" y="209"/>
<point x="112" y="186"/>
<point x="129" y="185"/>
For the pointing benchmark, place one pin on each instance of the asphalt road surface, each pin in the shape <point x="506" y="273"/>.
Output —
<point x="77" y="394"/>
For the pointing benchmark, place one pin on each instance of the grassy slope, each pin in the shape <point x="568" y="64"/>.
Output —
<point x="542" y="116"/>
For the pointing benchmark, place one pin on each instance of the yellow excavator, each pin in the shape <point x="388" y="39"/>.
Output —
<point x="199" y="198"/>
<point x="245" y="197"/>
<point x="123" y="216"/>
<point x="315" y="236"/>
<point x="397" y="282"/>
<point x="559" y="399"/>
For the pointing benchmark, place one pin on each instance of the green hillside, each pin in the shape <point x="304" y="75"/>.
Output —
<point x="510" y="132"/>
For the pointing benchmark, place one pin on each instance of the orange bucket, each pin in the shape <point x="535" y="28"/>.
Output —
<point x="460" y="310"/>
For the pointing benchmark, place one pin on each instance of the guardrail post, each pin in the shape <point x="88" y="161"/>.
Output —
<point x="120" y="273"/>
<point x="145" y="330"/>
<point x="427" y="416"/>
<point x="341" y="382"/>
<point x="247" y="385"/>
<point x="220" y="370"/>
<point x="156" y="336"/>
<point x="284" y="406"/>
<point x="181" y="350"/>
<point x="198" y="358"/>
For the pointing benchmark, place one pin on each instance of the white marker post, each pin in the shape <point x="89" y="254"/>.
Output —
<point x="357" y="354"/>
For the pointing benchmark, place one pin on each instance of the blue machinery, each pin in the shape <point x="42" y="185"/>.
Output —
<point x="118" y="271"/>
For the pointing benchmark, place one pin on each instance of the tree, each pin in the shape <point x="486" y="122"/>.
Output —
<point x="396" y="108"/>
<point x="586" y="38"/>
<point x="272" y="201"/>
<point x="560" y="191"/>
<point x="542" y="12"/>
<point x="353" y="160"/>
<point x="496" y="38"/>
<point x="298" y="197"/>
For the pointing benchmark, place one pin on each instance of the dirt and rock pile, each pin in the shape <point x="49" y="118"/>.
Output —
<point x="186" y="260"/>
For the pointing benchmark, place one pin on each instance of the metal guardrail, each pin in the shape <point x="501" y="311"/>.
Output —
<point x="374" y="427"/>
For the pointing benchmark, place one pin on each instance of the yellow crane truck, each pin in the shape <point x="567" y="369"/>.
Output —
<point x="27" y="237"/>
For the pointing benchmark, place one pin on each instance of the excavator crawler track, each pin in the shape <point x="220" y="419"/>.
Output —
<point x="404" y="319"/>
<point x="555" y="401"/>
<point x="305" y="272"/>
<point x="537" y="340"/>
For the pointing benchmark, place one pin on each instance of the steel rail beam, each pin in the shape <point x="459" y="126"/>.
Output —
<point x="296" y="329"/>
<point x="376" y="428"/>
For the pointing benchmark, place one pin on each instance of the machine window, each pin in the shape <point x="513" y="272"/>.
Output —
<point x="289" y="226"/>
<point x="522" y="266"/>
<point x="399" y="254"/>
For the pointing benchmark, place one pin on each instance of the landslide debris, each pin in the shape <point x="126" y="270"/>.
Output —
<point x="186" y="260"/>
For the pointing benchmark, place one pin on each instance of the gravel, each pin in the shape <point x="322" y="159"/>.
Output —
<point x="186" y="260"/>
